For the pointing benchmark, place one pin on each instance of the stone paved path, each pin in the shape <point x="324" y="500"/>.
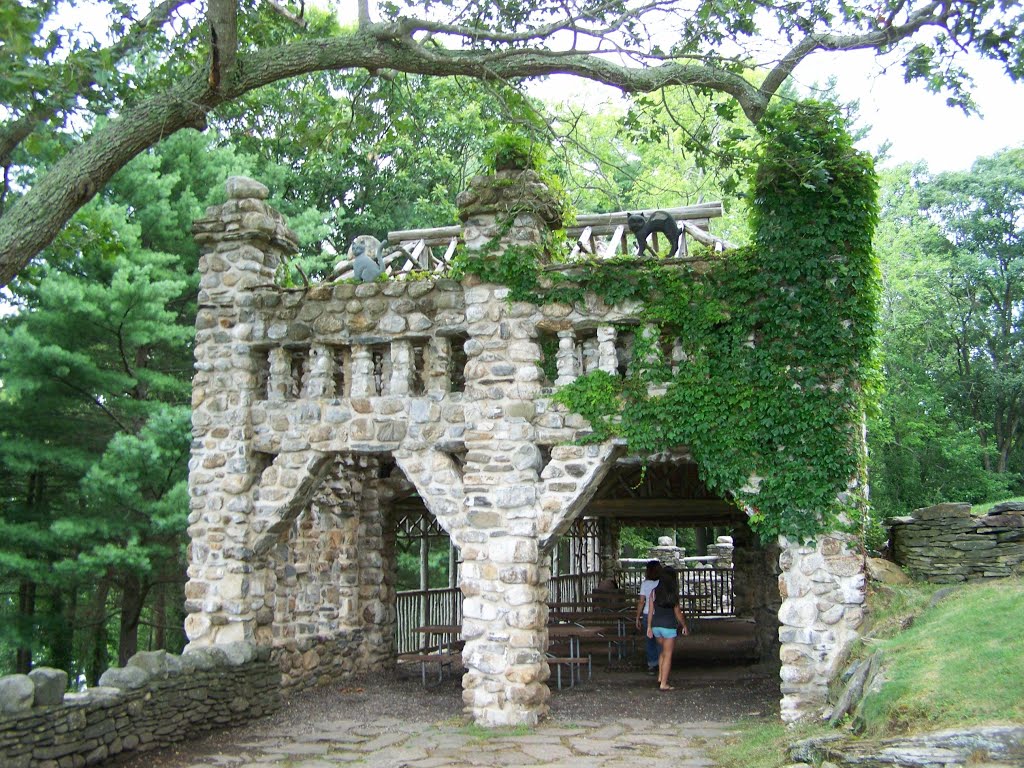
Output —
<point x="393" y="743"/>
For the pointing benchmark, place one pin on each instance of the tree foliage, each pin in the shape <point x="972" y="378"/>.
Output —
<point x="948" y="426"/>
<point x="177" y="65"/>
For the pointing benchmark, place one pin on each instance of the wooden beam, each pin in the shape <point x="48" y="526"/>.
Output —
<point x="663" y="508"/>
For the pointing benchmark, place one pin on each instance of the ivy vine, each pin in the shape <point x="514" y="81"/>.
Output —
<point x="777" y="340"/>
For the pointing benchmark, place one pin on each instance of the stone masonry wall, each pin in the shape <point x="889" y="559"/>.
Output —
<point x="946" y="544"/>
<point x="156" y="700"/>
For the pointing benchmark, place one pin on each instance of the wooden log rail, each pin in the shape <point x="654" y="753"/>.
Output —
<point x="594" y="235"/>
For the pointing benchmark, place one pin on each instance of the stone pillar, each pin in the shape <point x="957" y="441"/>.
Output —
<point x="362" y="372"/>
<point x="822" y="587"/>
<point x="241" y="243"/>
<point x="607" y="357"/>
<point x="567" y="360"/>
<point x="504" y="576"/>
<point x="280" y="385"/>
<point x="589" y="357"/>
<point x="319" y="381"/>
<point x="756" y="591"/>
<point x="435" y="375"/>
<point x="400" y="383"/>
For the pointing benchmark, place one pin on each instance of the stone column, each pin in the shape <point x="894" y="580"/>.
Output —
<point x="280" y="385"/>
<point x="822" y="587"/>
<point x="567" y="361"/>
<point x="401" y="368"/>
<point x="503" y="579"/>
<point x="607" y="357"/>
<point x="362" y="372"/>
<point x="319" y="382"/>
<point x="241" y="243"/>
<point x="435" y="375"/>
<point x="756" y="591"/>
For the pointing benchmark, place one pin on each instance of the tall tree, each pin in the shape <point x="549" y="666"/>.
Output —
<point x="950" y="249"/>
<point x="57" y="81"/>
<point x="981" y="215"/>
<point x="94" y="380"/>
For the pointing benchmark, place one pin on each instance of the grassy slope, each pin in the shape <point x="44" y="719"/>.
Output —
<point x="958" y="663"/>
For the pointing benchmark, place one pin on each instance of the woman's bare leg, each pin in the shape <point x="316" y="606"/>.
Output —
<point x="665" y="662"/>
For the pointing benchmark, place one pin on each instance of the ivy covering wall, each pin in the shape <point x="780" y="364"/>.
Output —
<point x="778" y="337"/>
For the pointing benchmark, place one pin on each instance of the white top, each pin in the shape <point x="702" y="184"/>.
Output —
<point x="646" y="588"/>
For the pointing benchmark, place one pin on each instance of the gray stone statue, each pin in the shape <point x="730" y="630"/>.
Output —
<point x="367" y="255"/>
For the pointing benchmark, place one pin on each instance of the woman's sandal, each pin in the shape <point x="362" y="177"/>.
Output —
<point x="667" y="688"/>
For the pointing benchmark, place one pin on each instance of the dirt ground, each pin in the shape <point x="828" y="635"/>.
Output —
<point x="713" y="677"/>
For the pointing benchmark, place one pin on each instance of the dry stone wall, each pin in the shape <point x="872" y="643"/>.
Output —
<point x="156" y="700"/>
<point x="945" y="543"/>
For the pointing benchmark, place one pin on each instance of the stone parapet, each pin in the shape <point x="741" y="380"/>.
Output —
<point x="946" y="544"/>
<point x="156" y="700"/>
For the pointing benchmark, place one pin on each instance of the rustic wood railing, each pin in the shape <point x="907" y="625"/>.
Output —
<point x="706" y="592"/>
<point x="593" y="236"/>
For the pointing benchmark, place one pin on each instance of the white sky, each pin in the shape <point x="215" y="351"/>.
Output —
<point x="919" y="124"/>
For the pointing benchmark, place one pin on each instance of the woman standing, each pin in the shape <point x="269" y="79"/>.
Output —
<point x="652" y="572"/>
<point x="662" y="622"/>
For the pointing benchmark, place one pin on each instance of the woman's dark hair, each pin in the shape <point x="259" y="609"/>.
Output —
<point x="652" y="571"/>
<point x="666" y="594"/>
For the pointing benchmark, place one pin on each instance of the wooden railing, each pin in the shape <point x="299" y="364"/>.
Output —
<point x="593" y="236"/>
<point x="419" y="607"/>
<point x="706" y="592"/>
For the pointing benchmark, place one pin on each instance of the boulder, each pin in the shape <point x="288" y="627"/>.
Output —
<point x="125" y="678"/>
<point x="156" y="663"/>
<point x="50" y="686"/>
<point x="886" y="571"/>
<point x="17" y="692"/>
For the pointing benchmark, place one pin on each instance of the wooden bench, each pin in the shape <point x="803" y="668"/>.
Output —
<point x="426" y="657"/>
<point x="573" y="665"/>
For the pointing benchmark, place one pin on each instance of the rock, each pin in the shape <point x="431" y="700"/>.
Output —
<point x="50" y="686"/>
<point x="1006" y="506"/>
<point x="1001" y="745"/>
<point x="156" y="663"/>
<point x="941" y="595"/>
<point x="886" y="571"/>
<point x="942" y="511"/>
<point x="125" y="678"/>
<point x="241" y="188"/>
<point x="17" y="692"/>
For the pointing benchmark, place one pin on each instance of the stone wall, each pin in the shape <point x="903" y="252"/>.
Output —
<point x="946" y="544"/>
<point x="156" y="700"/>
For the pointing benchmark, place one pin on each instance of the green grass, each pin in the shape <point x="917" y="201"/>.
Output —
<point x="957" y="663"/>
<point x="759" y="744"/>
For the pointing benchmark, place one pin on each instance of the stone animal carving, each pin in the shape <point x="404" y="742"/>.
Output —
<point x="367" y="255"/>
<point x="659" y="221"/>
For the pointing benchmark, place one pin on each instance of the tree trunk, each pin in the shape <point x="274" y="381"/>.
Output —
<point x="26" y="618"/>
<point x="96" y="616"/>
<point x="132" y="599"/>
<point x="62" y="637"/>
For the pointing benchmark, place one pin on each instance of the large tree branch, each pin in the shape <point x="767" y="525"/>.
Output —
<point x="35" y="220"/>
<point x="934" y="14"/>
